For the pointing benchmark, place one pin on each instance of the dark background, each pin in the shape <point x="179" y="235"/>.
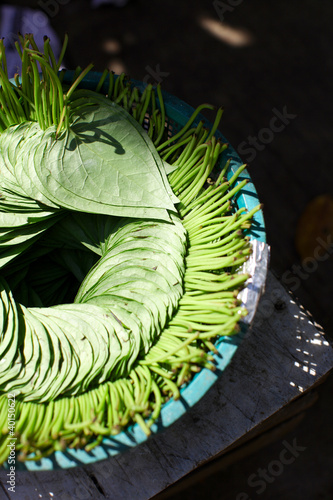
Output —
<point x="258" y="59"/>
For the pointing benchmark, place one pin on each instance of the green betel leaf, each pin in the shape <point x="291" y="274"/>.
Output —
<point x="110" y="298"/>
<point x="105" y="163"/>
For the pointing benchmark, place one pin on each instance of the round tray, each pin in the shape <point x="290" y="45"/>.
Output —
<point x="177" y="113"/>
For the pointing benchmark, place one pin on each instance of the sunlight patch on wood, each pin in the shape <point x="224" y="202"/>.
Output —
<point x="236" y="37"/>
<point x="117" y="66"/>
<point x="112" y="46"/>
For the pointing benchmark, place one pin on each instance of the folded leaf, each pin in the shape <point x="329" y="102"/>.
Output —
<point x="104" y="163"/>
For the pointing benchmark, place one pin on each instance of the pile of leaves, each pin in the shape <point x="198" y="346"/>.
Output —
<point x="119" y="254"/>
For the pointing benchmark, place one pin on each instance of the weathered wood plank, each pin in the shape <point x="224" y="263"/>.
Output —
<point x="283" y="356"/>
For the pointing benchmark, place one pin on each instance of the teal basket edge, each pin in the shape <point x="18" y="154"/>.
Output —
<point x="178" y="111"/>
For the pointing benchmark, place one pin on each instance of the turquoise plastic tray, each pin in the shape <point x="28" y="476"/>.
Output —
<point x="177" y="113"/>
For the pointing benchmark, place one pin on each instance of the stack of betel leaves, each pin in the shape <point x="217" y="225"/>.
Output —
<point x="119" y="254"/>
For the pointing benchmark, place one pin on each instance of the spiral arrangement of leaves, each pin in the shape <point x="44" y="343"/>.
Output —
<point x="177" y="313"/>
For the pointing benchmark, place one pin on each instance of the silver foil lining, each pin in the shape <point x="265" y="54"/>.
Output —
<point x="256" y="266"/>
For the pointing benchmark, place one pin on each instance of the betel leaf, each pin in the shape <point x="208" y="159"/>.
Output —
<point x="105" y="163"/>
<point x="121" y="307"/>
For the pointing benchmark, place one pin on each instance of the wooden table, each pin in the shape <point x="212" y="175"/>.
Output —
<point x="269" y="380"/>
